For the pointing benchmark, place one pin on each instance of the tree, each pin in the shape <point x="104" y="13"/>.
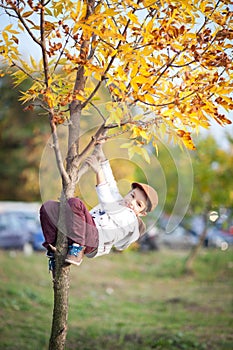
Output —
<point x="166" y="65"/>
<point x="22" y="138"/>
<point x="212" y="173"/>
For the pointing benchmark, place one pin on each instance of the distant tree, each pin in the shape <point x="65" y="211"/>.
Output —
<point x="22" y="139"/>
<point x="213" y="173"/>
<point x="166" y="65"/>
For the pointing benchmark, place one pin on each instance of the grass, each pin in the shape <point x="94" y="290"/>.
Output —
<point x="121" y="301"/>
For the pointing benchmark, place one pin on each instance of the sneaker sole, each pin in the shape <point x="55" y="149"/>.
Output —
<point x="73" y="262"/>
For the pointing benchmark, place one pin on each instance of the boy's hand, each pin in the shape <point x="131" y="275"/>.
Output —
<point x="93" y="162"/>
<point x="99" y="153"/>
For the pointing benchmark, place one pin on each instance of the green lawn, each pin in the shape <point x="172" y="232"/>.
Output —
<point x="121" y="301"/>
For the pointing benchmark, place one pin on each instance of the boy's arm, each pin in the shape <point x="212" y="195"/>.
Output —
<point x="95" y="165"/>
<point x="103" y="189"/>
<point x="107" y="171"/>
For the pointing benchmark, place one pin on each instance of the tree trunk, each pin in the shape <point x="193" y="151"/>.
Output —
<point x="194" y="252"/>
<point x="61" y="285"/>
<point x="60" y="310"/>
<point x="62" y="280"/>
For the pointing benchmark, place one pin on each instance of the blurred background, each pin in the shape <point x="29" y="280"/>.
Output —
<point x="23" y="137"/>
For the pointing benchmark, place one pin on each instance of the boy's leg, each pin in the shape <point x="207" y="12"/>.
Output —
<point x="49" y="212"/>
<point x="80" y="224"/>
<point x="48" y="217"/>
<point x="81" y="230"/>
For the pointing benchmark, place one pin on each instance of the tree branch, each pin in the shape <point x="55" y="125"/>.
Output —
<point x="64" y="174"/>
<point x="26" y="26"/>
<point x="25" y="72"/>
<point x="43" y="44"/>
<point x="97" y="109"/>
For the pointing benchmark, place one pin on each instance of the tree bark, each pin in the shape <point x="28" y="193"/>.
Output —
<point x="61" y="284"/>
<point x="60" y="310"/>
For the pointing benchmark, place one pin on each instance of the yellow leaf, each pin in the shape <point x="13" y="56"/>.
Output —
<point x="49" y="26"/>
<point x="133" y="18"/>
<point x="149" y="99"/>
<point x="79" y="97"/>
<point x="134" y="70"/>
<point x="97" y="76"/>
<point x="5" y="37"/>
<point x="134" y="86"/>
<point x="168" y="113"/>
<point x="50" y="98"/>
<point x="33" y="62"/>
<point x="27" y="14"/>
<point x="155" y="145"/>
<point x="145" y="155"/>
<point x="144" y="135"/>
<point x="177" y="46"/>
<point x="84" y="12"/>
<point x="8" y="27"/>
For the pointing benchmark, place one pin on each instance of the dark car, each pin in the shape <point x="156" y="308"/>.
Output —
<point x="12" y="234"/>
<point x="30" y="221"/>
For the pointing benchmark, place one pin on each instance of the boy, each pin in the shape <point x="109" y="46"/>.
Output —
<point x="115" y="222"/>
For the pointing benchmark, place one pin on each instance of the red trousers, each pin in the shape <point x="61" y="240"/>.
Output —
<point x="79" y="225"/>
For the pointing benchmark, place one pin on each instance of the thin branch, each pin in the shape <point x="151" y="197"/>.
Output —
<point x="46" y="3"/>
<point x="43" y="45"/>
<point x="40" y="104"/>
<point x="25" y="72"/>
<point x="26" y="26"/>
<point x="99" y="132"/>
<point x="61" y="53"/>
<point x="92" y="50"/>
<point x="84" y="168"/>
<point x="57" y="151"/>
<point x="168" y="103"/>
<point x="182" y="65"/>
<point x="97" y="109"/>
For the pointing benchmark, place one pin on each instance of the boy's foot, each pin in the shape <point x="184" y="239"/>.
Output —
<point x="75" y="254"/>
<point x="52" y="248"/>
<point x="51" y="263"/>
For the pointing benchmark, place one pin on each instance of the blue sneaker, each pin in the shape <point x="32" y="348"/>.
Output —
<point x="75" y="254"/>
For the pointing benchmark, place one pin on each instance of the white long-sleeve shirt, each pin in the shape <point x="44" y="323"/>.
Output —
<point x="117" y="224"/>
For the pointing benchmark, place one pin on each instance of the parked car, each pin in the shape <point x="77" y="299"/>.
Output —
<point x="180" y="238"/>
<point x="218" y="239"/>
<point x="37" y="239"/>
<point x="19" y="230"/>
<point x="29" y="219"/>
<point x="12" y="234"/>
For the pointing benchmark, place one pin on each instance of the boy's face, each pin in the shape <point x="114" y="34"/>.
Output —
<point x="137" y="201"/>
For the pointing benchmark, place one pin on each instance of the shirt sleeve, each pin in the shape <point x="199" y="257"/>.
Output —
<point x="108" y="192"/>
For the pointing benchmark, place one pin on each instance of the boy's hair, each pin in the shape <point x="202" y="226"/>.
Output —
<point x="151" y="195"/>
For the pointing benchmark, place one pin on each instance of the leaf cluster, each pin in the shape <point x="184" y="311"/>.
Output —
<point x="167" y="65"/>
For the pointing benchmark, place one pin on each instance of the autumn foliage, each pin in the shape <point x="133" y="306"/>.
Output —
<point x="167" y="64"/>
